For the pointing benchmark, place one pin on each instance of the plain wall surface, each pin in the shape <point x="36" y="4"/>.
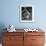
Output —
<point x="10" y="13"/>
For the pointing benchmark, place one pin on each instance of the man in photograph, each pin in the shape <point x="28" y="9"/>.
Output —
<point x="26" y="14"/>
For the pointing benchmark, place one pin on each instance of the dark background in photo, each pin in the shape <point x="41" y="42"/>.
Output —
<point x="26" y="13"/>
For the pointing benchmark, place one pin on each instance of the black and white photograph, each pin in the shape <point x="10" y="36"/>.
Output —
<point x="26" y="13"/>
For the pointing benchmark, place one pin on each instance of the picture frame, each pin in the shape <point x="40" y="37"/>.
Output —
<point x="26" y="13"/>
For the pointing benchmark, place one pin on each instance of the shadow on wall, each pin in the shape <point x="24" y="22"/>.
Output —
<point x="2" y="26"/>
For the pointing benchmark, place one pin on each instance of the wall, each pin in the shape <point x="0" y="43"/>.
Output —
<point x="10" y="13"/>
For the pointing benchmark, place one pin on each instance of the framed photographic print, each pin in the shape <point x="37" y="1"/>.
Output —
<point x="26" y="13"/>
